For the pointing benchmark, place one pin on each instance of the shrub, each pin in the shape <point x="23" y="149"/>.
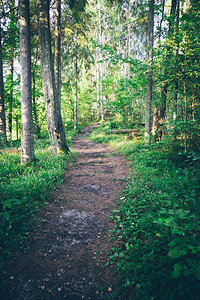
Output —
<point x="23" y="189"/>
<point x="156" y="247"/>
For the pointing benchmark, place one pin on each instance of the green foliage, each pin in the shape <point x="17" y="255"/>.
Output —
<point x="23" y="189"/>
<point x="156" y="249"/>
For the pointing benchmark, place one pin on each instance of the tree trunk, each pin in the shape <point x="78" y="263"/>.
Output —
<point x="185" y="119"/>
<point x="101" y="72"/>
<point x="17" y="127"/>
<point x="76" y="84"/>
<point x="2" y="107"/>
<point x="36" y="127"/>
<point x="150" y="74"/>
<point x="27" y="144"/>
<point x="155" y="123"/>
<point x="54" y="120"/>
<point x="161" y="120"/>
<point x="97" y="74"/>
<point x="57" y="66"/>
<point x="128" y="40"/>
<point x="119" y="45"/>
<point x="11" y="66"/>
<point x="177" y="54"/>
<point x="10" y="96"/>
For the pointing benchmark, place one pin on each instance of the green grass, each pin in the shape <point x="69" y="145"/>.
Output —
<point x="23" y="190"/>
<point x="156" y="248"/>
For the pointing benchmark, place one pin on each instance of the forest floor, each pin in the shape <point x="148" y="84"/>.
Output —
<point x="66" y="258"/>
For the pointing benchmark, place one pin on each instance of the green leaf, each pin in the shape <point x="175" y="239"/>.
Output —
<point x="178" y="268"/>
<point x="121" y="254"/>
<point x="197" y="272"/>
<point x="169" y="220"/>
<point x="106" y="264"/>
<point x="6" y="215"/>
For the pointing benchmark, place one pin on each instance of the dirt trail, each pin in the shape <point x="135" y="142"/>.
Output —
<point x="66" y="259"/>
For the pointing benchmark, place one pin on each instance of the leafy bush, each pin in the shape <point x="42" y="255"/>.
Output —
<point x="23" y="189"/>
<point x="156" y="247"/>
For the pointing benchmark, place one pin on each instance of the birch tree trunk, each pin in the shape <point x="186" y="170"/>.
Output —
<point x="27" y="145"/>
<point x="54" y="120"/>
<point x="2" y="107"/>
<point x="150" y="74"/>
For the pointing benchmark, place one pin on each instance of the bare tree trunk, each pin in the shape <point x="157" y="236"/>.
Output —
<point x="185" y="100"/>
<point x="101" y="72"/>
<point x="119" y="44"/>
<point x="2" y="107"/>
<point x="27" y="144"/>
<point x="97" y="74"/>
<point x="17" y="127"/>
<point x="161" y="120"/>
<point x="155" y="123"/>
<point x="36" y="125"/>
<point x="177" y="54"/>
<point x="54" y="120"/>
<point x="10" y="97"/>
<point x="57" y="66"/>
<point x="11" y="68"/>
<point x="76" y="84"/>
<point x="150" y="74"/>
<point x="128" y="40"/>
<point x="35" y="117"/>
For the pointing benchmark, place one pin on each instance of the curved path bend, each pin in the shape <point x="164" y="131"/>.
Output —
<point x="67" y="258"/>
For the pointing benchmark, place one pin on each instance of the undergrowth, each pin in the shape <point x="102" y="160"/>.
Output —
<point x="23" y="190"/>
<point x="156" y="248"/>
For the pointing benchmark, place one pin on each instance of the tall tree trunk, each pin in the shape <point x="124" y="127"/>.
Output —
<point x="54" y="120"/>
<point x="2" y="107"/>
<point x="27" y="144"/>
<point x="155" y="123"/>
<point x="57" y="59"/>
<point x="76" y="83"/>
<point x="150" y="74"/>
<point x="11" y="66"/>
<point x="119" y="44"/>
<point x="128" y="40"/>
<point x="10" y="95"/>
<point x="35" y="116"/>
<point x="97" y="75"/>
<point x="101" y="64"/>
<point x="185" y="117"/>
<point x="177" y="54"/>
<point x="161" y="120"/>
<point x="17" y="127"/>
<point x="36" y="127"/>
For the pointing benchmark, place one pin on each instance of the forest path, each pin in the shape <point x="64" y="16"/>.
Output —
<point x="66" y="259"/>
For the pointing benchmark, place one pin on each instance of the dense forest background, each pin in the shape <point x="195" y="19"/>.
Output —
<point x="131" y="62"/>
<point x="133" y="67"/>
